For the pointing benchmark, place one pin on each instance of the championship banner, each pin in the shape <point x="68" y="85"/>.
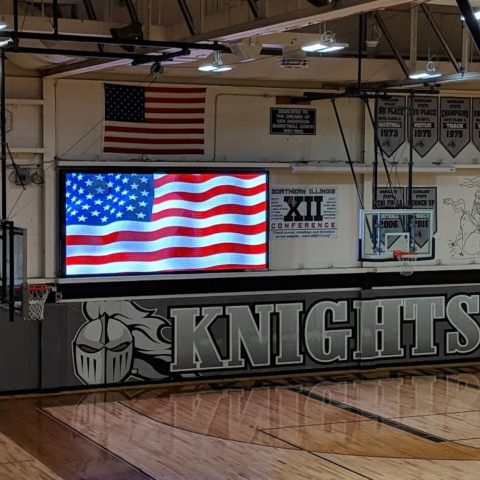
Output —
<point x="476" y="122"/>
<point x="425" y="124"/>
<point x="390" y="197"/>
<point x="303" y="212"/>
<point x="454" y="124"/>
<point x="390" y="123"/>
<point x="396" y="197"/>
<point x="423" y="198"/>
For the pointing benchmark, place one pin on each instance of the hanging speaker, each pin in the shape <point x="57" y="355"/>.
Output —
<point x="129" y="32"/>
<point x="320" y="3"/>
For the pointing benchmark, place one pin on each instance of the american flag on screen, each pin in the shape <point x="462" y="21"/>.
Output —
<point x="154" y="120"/>
<point x="153" y="222"/>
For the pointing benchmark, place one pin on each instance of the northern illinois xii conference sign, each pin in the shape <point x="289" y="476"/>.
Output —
<point x="303" y="211"/>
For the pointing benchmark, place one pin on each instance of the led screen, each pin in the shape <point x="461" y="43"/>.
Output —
<point x="148" y="222"/>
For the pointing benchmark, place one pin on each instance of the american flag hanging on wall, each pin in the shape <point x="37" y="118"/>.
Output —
<point x="155" y="120"/>
<point x="120" y="223"/>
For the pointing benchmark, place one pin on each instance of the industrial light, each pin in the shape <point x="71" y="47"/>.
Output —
<point x="217" y="66"/>
<point x="429" y="72"/>
<point x="326" y="44"/>
<point x="424" y="75"/>
<point x="477" y="16"/>
<point x="5" y="42"/>
<point x="214" y="68"/>
<point x="323" y="47"/>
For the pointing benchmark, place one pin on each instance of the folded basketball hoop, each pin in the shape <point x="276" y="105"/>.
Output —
<point x="37" y="296"/>
<point x="407" y="261"/>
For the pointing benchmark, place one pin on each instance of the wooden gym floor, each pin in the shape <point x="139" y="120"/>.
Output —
<point x="417" y="424"/>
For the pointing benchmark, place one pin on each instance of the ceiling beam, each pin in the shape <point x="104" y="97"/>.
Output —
<point x="470" y="20"/>
<point x="62" y="37"/>
<point x="466" y="41"/>
<point x="90" y="9"/>
<point x="298" y="19"/>
<point x="132" y="11"/>
<point x="187" y="16"/>
<point x="413" y="38"/>
<point x="136" y="58"/>
<point x="444" y="79"/>
<point x="441" y="38"/>
<point x="92" y="15"/>
<point x="88" y="66"/>
<point x="252" y="4"/>
<point x="272" y="24"/>
<point x="391" y="43"/>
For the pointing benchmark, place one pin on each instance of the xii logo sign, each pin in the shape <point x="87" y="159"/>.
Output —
<point x="303" y="212"/>
<point x="295" y="203"/>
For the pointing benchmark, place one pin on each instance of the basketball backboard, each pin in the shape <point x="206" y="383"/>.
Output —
<point x="381" y="232"/>
<point x="13" y="267"/>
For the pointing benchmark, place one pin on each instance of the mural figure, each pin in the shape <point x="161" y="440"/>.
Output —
<point x="467" y="241"/>
<point x="121" y="341"/>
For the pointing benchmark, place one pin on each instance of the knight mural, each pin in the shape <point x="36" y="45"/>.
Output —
<point x="121" y="341"/>
<point x="467" y="240"/>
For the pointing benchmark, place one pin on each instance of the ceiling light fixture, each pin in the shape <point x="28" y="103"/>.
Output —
<point x="6" y="42"/>
<point x="429" y="72"/>
<point x="326" y="44"/>
<point x="477" y="16"/>
<point x="217" y="66"/>
<point x="374" y="39"/>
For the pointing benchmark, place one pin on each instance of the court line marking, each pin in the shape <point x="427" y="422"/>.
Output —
<point x="294" y="448"/>
<point x="314" y="424"/>
<point x="368" y="420"/>
<point x="226" y="439"/>
<point x="434" y="414"/>
<point x="371" y="416"/>
<point x="318" y="455"/>
<point x="461" y="439"/>
<point x="99" y="445"/>
<point x="457" y="442"/>
<point x="462" y="383"/>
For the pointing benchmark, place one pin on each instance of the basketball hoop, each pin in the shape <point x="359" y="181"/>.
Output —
<point x="37" y="296"/>
<point x="407" y="261"/>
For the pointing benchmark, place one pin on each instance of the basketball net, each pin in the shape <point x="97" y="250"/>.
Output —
<point x="37" y="296"/>
<point x="407" y="261"/>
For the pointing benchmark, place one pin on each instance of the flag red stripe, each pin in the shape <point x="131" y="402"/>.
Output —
<point x="173" y="100"/>
<point x="221" y="210"/>
<point x="174" y="110"/>
<point x="155" y="151"/>
<point x="175" y="90"/>
<point x="225" y="266"/>
<point x="174" y="121"/>
<point x="166" y="253"/>
<point x="234" y="266"/>
<point x="202" y="178"/>
<point x="156" y="141"/>
<point x="130" y="236"/>
<point x="160" y="131"/>
<point x="213" y="192"/>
